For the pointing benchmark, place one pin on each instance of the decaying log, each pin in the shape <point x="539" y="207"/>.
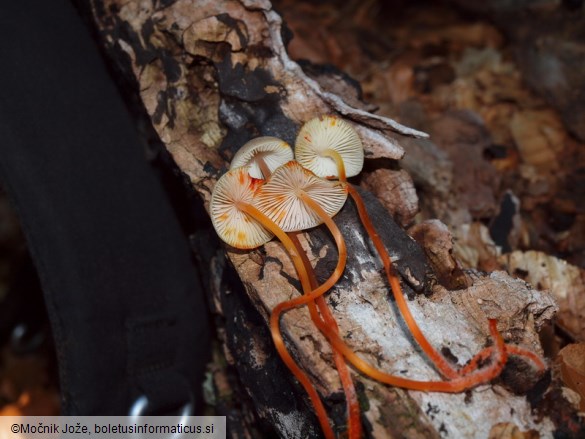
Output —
<point x="212" y="75"/>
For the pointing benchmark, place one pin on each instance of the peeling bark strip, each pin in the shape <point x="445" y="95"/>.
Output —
<point x="212" y="75"/>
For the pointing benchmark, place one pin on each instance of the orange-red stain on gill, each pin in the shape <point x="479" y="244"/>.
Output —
<point x="241" y="237"/>
<point x="307" y="138"/>
<point x="241" y="176"/>
<point x="333" y="122"/>
<point x="254" y="183"/>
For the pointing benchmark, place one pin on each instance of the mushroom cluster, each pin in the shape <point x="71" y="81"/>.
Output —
<point x="266" y="193"/>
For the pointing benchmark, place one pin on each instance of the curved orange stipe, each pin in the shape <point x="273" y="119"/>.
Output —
<point x="440" y="362"/>
<point x="275" y="329"/>
<point x="339" y="162"/>
<point x="354" y="425"/>
<point x="534" y="359"/>
<point x="537" y="362"/>
<point x="264" y="169"/>
<point x="455" y="385"/>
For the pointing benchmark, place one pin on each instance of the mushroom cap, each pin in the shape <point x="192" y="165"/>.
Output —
<point x="234" y="226"/>
<point x="274" y="151"/>
<point x="279" y="199"/>
<point x="329" y="132"/>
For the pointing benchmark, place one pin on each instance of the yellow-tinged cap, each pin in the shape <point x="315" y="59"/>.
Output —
<point x="234" y="226"/>
<point x="275" y="152"/>
<point x="329" y="132"/>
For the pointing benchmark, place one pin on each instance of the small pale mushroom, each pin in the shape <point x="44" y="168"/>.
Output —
<point x="289" y="198"/>
<point x="232" y="224"/>
<point x="329" y="141"/>
<point x="262" y="155"/>
<point x="330" y="147"/>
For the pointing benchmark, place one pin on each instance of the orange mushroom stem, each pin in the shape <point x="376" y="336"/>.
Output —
<point x="440" y="362"/>
<point x="354" y="425"/>
<point x="293" y="198"/>
<point x="276" y="335"/>
<point x="511" y="349"/>
<point x="253" y="155"/>
<point x="263" y="166"/>
<point x="456" y="385"/>
<point x="242" y="225"/>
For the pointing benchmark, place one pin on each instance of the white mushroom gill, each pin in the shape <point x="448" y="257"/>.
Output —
<point x="271" y="150"/>
<point x="324" y="133"/>
<point x="281" y="198"/>
<point x="233" y="226"/>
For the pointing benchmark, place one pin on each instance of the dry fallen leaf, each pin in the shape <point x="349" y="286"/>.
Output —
<point x="540" y="138"/>
<point x="474" y="247"/>
<point x="572" y="360"/>
<point x="566" y="282"/>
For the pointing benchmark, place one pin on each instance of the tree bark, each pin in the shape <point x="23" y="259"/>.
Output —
<point x="214" y="74"/>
